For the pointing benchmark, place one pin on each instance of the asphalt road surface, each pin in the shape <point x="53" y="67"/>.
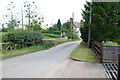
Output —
<point x="51" y="63"/>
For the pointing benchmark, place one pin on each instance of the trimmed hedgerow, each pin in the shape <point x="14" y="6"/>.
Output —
<point x="20" y="39"/>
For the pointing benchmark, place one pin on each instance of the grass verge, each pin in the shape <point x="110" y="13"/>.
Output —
<point x="8" y="54"/>
<point x="13" y="53"/>
<point x="82" y="53"/>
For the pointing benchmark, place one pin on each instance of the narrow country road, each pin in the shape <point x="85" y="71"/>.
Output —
<point x="51" y="63"/>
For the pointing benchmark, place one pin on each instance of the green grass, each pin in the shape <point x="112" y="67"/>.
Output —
<point x="13" y="53"/>
<point x="47" y="37"/>
<point x="8" y="54"/>
<point x="82" y="53"/>
<point x="109" y="43"/>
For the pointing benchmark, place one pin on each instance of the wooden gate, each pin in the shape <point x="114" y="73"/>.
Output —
<point x="108" y="55"/>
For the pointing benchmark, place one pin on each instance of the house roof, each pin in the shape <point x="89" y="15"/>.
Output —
<point x="76" y="24"/>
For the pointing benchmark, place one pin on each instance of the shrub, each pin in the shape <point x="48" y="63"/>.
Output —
<point x="109" y="43"/>
<point x="48" y="45"/>
<point x="52" y="35"/>
<point x="20" y="39"/>
<point x="75" y="35"/>
<point x="57" y="32"/>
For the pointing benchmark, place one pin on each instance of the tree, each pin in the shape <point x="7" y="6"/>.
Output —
<point x="104" y="21"/>
<point x="59" y="25"/>
<point x="55" y="27"/>
<point x="86" y="25"/>
<point x="10" y="8"/>
<point x="30" y="8"/>
<point x="10" y="18"/>
<point x="67" y="29"/>
<point x="34" y="20"/>
<point x="35" y="24"/>
<point x="22" y="14"/>
<point x="13" y="22"/>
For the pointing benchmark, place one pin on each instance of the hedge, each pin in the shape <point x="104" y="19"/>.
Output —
<point x="20" y="39"/>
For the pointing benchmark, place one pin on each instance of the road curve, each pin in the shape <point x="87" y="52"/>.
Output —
<point x="39" y="64"/>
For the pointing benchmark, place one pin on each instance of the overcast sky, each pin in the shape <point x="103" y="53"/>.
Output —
<point x="51" y="10"/>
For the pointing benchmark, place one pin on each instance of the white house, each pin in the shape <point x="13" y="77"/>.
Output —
<point x="76" y="28"/>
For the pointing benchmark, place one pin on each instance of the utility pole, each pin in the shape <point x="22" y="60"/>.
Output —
<point x="12" y="13"/>
<point x="89" y="30"/>
<point x="29" y="12"/>
<point x="72" y="27"/>
<point x="72" y="22"/>
<point x="22" y="15"/>
<point x="73" y="16"/>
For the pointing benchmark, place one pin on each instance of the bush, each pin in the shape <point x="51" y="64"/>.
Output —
<point x="3" y="37"/>
<point x="109" y="43"/>
<point x="75" y="35"/>
<point x="52" y="35"/>
<point x="57" y="32"/>
<point x="20" y="39"/>
<point x="48" y="45"/>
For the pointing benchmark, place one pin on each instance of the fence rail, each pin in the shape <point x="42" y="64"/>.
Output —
<point x="98" y="50"/>
<point x="5" y="46"/>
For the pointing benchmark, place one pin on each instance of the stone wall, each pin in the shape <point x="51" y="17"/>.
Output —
<point x="55" y="40"/>
<point x="110" y="53"/>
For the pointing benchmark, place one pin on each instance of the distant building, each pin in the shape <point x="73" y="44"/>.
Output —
<point x="76" y="28"/>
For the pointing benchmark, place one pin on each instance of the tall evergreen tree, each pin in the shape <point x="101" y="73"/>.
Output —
<point x="59" y="24"/>
<point x="105" y="21"/>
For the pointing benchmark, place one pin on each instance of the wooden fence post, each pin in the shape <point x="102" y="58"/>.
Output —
<point x="101" y="53"/>
<point x="118" y="67"/>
